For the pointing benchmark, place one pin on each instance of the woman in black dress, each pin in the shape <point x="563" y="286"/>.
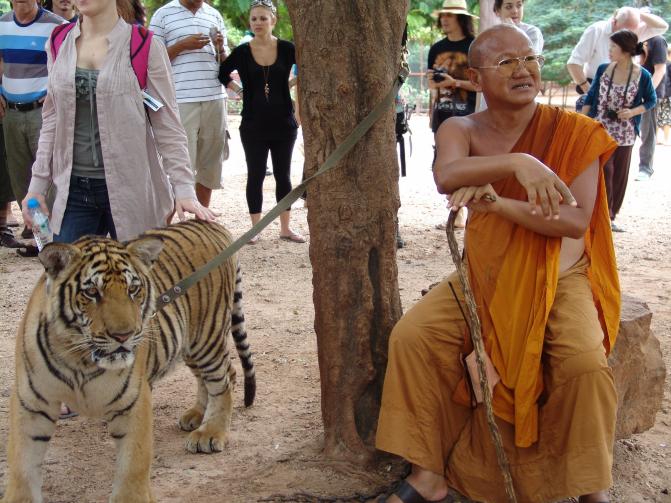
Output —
<point x="268" y="122"/>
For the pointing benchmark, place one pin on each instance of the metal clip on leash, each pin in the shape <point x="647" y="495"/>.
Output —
<point x="475" y="329"/>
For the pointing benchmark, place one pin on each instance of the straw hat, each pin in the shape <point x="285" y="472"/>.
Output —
<point x="454" y="7"/>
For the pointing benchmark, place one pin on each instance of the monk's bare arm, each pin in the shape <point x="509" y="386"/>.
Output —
<point x="572" y="222"/>
<point x="454" y="168"/>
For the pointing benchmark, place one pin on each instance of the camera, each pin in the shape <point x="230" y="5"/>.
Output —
<point x="439" y="74"/>
<point x="612" y="114"/>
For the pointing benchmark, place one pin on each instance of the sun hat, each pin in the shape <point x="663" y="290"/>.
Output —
<point x="454" y="7"/>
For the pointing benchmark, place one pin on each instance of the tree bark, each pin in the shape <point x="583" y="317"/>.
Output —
<point x="487" y="16"/>
<point x="348" y="57"/>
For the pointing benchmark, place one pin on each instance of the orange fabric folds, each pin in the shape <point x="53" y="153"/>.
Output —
<point x="514" y="271"/>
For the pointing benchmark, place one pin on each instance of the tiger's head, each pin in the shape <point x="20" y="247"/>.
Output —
<point x="100" y="296"/>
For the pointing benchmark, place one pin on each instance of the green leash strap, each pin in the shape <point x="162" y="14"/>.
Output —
<point x="352" y="139"/>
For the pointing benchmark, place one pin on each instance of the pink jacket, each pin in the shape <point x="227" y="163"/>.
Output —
<point x="146" y="164"/>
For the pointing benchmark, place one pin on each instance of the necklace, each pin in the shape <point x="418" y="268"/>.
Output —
<point x="266" y="86"/>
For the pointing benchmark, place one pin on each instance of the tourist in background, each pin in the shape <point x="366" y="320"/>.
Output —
<point x="664" y="122"/>
<point x="654" y="60"/>
<point x="268" y="121"/>
<point x="512" y="11"/>
<point x="118" y="168"/>
<point x="195" y="36"/>
<point x="24" y="32"/>
<point x="592" y="48"/>
<point x="452" y="93"/>
<point x="62" y="8"/>
<point x="620" y="93"/>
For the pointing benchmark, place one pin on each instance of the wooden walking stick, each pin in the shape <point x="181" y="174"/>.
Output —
<point x="475" y="330"/>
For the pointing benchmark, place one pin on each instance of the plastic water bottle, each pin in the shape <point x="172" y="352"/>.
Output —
<point x="41" y="228"/>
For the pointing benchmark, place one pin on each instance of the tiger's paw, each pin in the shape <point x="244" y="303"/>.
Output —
<point x="191" y="419"/>
<point x="133" y="496"/>
<point x="205" y="440"/>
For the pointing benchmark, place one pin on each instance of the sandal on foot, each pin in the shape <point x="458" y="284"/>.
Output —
<point x="408" y="494"/>
<point x="294" y="237"/>
<point x="66" y="412"/>
<point x="8" y="240"/>
<point x="254" y="240"/>
<point x="28" y="251"/>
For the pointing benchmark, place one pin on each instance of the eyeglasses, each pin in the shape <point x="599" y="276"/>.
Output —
<point x="268" y="4"/>
<point x="507" y="67"/>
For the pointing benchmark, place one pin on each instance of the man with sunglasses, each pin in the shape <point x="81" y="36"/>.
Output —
<point x="542" y="269"/>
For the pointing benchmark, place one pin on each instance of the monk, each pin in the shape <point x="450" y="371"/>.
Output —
<point x="542" y="268"/>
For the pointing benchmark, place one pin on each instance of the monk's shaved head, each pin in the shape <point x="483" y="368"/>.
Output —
<point x="494" y="41"/>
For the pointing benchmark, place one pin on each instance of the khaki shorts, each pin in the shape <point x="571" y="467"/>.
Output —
<point x="205" y="126"/>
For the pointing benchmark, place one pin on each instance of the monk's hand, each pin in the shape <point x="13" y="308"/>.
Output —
<point x="543" y="187"/>
<point x="485" y="200"/>
<point x="484" y="196"/>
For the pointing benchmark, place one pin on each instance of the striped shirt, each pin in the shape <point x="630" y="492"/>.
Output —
<point x="24" y="58"/>
<point x="195" y="72"/>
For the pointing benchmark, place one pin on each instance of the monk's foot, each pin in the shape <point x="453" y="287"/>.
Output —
<point x="430" y="486"/>
<point x="600" y="497"/>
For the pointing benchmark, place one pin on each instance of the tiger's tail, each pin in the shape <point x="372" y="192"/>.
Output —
<point x="241" y="343"/>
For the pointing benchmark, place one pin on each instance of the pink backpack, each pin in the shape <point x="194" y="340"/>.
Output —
<point x="140" y="43"/>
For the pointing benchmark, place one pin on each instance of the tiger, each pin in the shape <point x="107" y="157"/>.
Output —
<point x="91" y="338"/>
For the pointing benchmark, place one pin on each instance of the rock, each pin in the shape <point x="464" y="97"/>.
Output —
<point x="638" y="369"/>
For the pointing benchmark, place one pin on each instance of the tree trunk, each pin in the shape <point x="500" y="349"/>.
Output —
<point x="348" y="57"/>
<point x="487" y="16"/>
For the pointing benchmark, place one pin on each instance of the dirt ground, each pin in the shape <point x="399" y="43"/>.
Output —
<point x="275" y="445"/>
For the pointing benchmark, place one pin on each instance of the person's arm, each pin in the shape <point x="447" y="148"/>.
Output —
<point x="455" y="168"/>
<point x="572" y="221"/>
<point x="659" y="71"/>
<point x="231" y="63"/>
<point x="580" y="55"/>
<point x="3" y="103"/>
<point x="41" y="177"/>
<point x="648" y="96"/>
<point x="169" y="134"/>
<point x="650" y="26"/>
<point x="592" y="98"/>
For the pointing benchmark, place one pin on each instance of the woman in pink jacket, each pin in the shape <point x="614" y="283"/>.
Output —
<point x="117" y="167"/>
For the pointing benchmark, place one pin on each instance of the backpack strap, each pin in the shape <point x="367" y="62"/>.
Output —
<point x="140" y="43"/>
<point x="58" y="37"/>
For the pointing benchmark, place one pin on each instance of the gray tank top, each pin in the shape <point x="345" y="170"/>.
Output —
<point x="87" y="159"/>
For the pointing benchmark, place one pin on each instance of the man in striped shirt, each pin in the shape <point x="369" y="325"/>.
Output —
<point x="195" y="36"/>
<point x="23" y="35"/>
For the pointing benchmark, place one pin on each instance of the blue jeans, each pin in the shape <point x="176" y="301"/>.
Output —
<point x="87" y="211"/>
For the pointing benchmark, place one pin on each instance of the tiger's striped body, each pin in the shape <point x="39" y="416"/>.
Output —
<point x="89" y="339"/>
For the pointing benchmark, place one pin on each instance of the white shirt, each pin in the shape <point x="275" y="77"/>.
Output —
<point x="534" y="35"/>
<point x="592" y="48"/>
<point x="196" y="73"/>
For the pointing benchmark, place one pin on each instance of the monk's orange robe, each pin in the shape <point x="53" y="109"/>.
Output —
<point x="513" y="270"/>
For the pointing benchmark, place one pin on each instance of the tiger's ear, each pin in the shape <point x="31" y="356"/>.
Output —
<point x="57" y="256"/>
<point x="146" y="248"/>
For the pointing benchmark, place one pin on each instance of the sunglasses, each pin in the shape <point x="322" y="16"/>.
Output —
<point x="268" y="4"/>
<point x="506" y="67"/>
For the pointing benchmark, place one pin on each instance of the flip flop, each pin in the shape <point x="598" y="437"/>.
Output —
<point x="254" y="240"/>
<point x="293" y="237"/>
<point x="27" y="233"/>
<point x="28" y="251"/>
<point x="408" y="494"/>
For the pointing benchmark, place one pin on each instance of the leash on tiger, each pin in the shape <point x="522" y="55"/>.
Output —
<point x="333" y="159"/>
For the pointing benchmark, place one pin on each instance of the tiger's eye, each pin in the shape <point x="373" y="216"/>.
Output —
<point x="134" y="289"/>
<point x="91" y="291"/>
